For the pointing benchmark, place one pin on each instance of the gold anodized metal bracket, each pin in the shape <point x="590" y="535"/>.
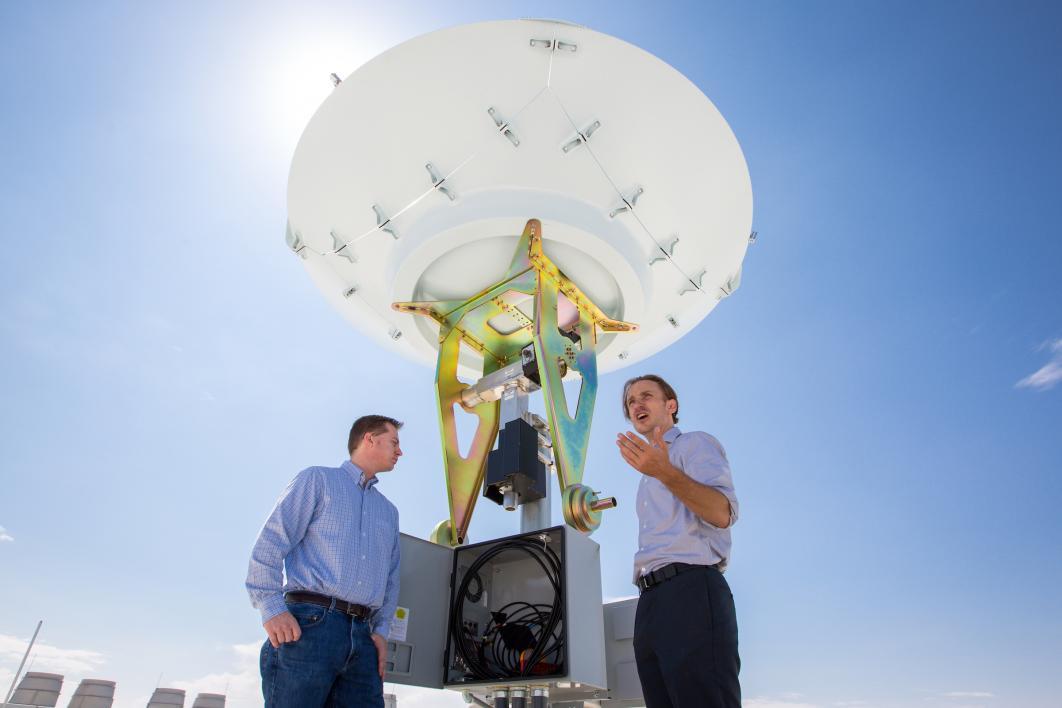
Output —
<point x="533" y="274"/>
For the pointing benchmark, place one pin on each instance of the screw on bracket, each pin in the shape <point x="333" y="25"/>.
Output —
<point x="752" y="236"/>
<point x="581" y="137"/>
<point x="437" y="181"/>
<point x="382" y="222"/>
<point x="693" y="284"/>
<point x="394" y="333"/>
<point x="666" y="251"/>
<point x="672" y="321"/>
<point x="349" y="292"/>
<point x="503" y="127"/>
<point x="628" y="203"/>
<point x="336" y="81"/>
<point x="341" y="248"/>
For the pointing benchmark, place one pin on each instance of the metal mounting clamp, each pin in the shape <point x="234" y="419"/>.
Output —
<point x="341" y="248"/>
<point x="503" y="127"/>
<point x="628" y="203"/>
<point x="437" y="181"/>
<point x="665" y="252"/>
<point x="693" y="284"/>
<point x="382" y="222"/>
<point x="581" y="137"/>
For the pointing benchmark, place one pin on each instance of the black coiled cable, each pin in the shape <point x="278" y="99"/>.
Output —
<point x="540" y="620"/>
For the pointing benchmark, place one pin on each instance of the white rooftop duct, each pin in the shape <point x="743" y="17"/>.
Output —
<point x="38" y="689"/>
<point x="209" y="700"/>
<point x="166" y="698"/>
<point x="93" y="693"/>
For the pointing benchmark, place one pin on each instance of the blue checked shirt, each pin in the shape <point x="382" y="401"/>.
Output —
<point x="334" y="534"/>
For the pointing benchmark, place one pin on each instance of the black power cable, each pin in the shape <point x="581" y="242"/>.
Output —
<point x="517" y="630"/>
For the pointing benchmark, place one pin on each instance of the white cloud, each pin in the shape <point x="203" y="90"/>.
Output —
<point x="5" y="536"/>
<point x="969" y="694"/>
<point x="414" y="697"/>
<point x="242" y="686"/>
<point x="761" y="702"/>
<point x="51" y="659"/>
<point x="1049" y="374"/>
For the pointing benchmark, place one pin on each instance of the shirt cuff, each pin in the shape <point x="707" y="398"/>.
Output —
<point x="273" y="606"/>
<point x="382" y="627"/>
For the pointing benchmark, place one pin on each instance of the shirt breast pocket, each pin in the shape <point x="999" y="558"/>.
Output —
<point x="382" y="534"/>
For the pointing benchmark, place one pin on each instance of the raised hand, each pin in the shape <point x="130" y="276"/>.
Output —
<point x="651" y="460"/>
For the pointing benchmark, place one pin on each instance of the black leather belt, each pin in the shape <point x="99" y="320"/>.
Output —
<point x="360" y="611"/>
<point x="666" y="573"/>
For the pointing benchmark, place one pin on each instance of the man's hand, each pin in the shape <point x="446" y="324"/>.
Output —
<point x="381" y="653"/>
<point x="651" y="460"/>
<point x="282" y="628"/>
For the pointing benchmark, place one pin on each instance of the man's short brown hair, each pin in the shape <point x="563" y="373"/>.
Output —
<point x="368" y="424"/>
<point x="669" y="393"/>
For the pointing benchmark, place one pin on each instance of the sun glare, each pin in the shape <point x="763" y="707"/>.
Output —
<point x="298" y="79"/>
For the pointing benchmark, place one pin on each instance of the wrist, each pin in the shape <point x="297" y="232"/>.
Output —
<point x="672" y="477"/>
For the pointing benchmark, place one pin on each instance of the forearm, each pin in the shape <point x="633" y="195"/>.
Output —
<point x="710" y="505"/>
<point x="265" y="580"/>
<point x="382" y="621"/>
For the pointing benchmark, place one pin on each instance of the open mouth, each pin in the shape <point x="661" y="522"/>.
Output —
<point x="641" y="416"/>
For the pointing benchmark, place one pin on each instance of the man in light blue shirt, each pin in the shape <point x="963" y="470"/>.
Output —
<point x="685" y="628"/>
<point x="335" y="536"/>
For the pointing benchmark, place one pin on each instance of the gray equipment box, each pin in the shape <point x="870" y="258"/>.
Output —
<point x="427" y="656"/>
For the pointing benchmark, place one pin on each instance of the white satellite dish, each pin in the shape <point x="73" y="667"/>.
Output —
<point x="415" y="178"/>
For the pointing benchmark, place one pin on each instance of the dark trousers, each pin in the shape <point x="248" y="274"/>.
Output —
<point x="333" y="664"/>
<point x="686" y="642"/>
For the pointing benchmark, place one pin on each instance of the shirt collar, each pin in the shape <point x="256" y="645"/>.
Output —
<point x="671" y="434"/>
<point x="357" y="474"/>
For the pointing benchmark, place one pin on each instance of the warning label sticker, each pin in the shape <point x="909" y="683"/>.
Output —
<point x="399" y="624"/>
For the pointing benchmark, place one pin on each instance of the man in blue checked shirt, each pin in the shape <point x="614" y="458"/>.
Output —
<point x="336" y="536"/>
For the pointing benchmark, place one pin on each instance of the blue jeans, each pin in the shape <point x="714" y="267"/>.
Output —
<point x="333" y="664"/>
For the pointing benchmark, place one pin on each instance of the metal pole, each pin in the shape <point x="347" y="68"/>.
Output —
<point x="23" y="663"/>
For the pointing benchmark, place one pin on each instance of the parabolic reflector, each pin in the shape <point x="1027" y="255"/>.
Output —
<point x="414" y="180"/>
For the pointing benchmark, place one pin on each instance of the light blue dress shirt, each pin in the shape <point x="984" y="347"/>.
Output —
<point x="334" y="534"/>
<point x="668" y="532"/>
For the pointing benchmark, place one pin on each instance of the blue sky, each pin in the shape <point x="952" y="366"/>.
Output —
<point x="168" y="366"/>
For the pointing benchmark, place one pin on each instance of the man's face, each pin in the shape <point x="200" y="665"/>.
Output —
<point x="648" y="408"/>
<point x="384" y="449"/>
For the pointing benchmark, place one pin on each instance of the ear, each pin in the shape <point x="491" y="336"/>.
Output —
<point x="671" y="405"/>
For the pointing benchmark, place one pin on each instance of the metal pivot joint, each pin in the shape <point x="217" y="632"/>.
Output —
<point x="559" y="347"/>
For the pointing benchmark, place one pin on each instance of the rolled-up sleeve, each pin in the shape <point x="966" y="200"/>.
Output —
<point x="705" y="462"/>
<point x="284" y="528"/>
<point x="382" y="620"/>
